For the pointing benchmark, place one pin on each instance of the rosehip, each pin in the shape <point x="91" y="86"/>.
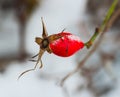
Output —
<point x="67" y="45"/>
<point x="63" y="44"/>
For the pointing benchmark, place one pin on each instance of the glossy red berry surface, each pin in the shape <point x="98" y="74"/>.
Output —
<point x="67" y="45"/>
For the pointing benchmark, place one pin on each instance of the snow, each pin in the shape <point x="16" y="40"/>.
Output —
<point x="57" y="15"/>
<point x="74" y="38"/>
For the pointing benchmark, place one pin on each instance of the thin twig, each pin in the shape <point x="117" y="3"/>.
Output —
<point x="95" y="46"/>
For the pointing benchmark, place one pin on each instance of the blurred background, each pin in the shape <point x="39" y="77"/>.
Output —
<point x="20" y="23"/>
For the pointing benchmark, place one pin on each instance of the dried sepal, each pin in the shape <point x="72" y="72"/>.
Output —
<point x="35" y="55"/>
<point x="54" y="37"/>
<point x="44" y="34"/>
<point x="49" y="50"/>
<point x="38" y="40"/>
<point x="41" y="52"/>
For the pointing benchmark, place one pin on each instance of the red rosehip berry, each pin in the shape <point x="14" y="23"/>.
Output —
<point x="67" y="45"/>
<point x="63" y="44"/>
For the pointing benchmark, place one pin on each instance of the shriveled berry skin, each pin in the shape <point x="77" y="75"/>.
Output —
<point x="67" y="45"/>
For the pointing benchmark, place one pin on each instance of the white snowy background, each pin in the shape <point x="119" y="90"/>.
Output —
<point x="57" y="14"/>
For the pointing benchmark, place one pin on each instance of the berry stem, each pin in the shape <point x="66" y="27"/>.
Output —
<point x="103" y="25"/>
